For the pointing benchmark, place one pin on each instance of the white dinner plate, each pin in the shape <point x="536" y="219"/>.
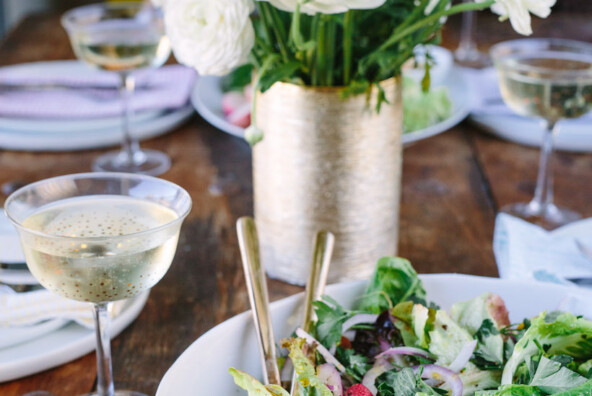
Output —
<point x="207" y="99"/>
<point x="203" y="367"/>
<point x="491" y="114"/>
<point x="61" y="346"/>
<point x="95" y="138"/>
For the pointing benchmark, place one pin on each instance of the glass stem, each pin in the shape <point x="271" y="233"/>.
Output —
<point x="543" y="195"/>
<point x="466" y="43"/>
<point x="104" y="372"/>
<point x="129" y="146"/>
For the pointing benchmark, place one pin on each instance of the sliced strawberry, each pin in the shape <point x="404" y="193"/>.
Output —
<point x="241" y="117"/>
<point x="232" y="101"/>
<point x="345" y="343"/>
<point x="358" y="390"/>
<point x="498" y="311"/>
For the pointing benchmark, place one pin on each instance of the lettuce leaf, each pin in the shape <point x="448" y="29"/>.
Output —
<point x="477" y="319"/>
<point x="512" y="390"/>
<point x="550" y="377"/>
<point x="568" y="334"/>
<point x="309" y="383"/>
<point x="394" y="281"/>
<point x="254" y="387"/>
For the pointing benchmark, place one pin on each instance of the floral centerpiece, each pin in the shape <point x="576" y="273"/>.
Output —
<point x="327" y="105"/>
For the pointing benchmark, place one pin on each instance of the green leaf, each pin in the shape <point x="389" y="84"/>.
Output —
<point x="331" y="317"/>
<point x="567" y="335"/>
<point x="551" y="377"/>
<point x="254" y="387"/>
<point x="512" y="390"/>
<point x="280" y="73"/>
<point x="394" y="281"/>
<point x="582" y="390"/>
<point x="305" y="371"/>
<point x="238" y="79"/>
<point x="355" y="365"/>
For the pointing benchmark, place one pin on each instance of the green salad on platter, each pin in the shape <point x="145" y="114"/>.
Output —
<point x="396" y="343"/>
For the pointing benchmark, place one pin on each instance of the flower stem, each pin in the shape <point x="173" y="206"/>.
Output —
<point x="348" y="33"/>
<point x="266" y="27"/>
<point x="312" y="53"/>
<point x="321" y="56"/>
<point x="271" y="17"/>
<point x="330" y="43"/>
<point x="398" y="35"/>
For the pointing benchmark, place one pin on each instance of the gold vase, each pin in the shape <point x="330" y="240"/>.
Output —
<point x="327" y="163"/>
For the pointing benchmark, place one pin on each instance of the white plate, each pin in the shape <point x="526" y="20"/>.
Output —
<point x="203" y="367"/>
<point x="496" y="118"/>
<point x="90" y="139"/>
<point x="61" y="346"/>
<point x="207" y="99"/>
<point x="12" y="336"/>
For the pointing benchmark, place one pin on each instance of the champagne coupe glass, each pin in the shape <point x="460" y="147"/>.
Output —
<point x="122" y="37"/>
<point x="551" y="80"/>
<point x="467" y="53"/>
<point x="99" y="237"/>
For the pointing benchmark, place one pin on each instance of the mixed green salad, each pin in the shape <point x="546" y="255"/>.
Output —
<point x="397" y="344"/>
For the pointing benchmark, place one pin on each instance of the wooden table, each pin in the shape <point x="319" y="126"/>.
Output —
<point x="453" y="185"/>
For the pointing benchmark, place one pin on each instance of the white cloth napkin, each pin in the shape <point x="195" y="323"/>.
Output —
<point x="166" y="88"/>
<point x="527" y="251"/>
<point x="488" y="98"/>
<point x="25" y="309"/>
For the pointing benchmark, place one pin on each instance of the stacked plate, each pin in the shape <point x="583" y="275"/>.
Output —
<point x="29" y="349"/>
<point x="39" y="125"/>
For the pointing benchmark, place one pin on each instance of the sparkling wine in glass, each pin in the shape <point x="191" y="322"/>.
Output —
<point x="98" y="238"/>
<point x="549" y="79"/>
<point x="122" y="37"/>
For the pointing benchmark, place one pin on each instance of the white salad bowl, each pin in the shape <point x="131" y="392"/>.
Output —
<point x="203" y="368"/>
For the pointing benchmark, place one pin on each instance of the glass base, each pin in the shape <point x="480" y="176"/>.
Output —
<point x="547" y="216"/>
<point x="472" y="58"/>
<point x="146" y="162"/>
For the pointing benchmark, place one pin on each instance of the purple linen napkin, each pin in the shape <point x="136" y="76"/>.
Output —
<point x="94" y="94"/>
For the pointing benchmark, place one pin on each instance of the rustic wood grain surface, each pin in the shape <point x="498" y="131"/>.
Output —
<point x="453" y="185"/>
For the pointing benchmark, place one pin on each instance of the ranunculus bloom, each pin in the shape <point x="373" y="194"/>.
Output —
<point x="519" y="12"/>
<point x="158" y="3"/>
<point x="213" y="36"/>
<point x="327" y="6"/>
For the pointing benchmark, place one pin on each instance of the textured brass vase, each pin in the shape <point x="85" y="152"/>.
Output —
<point x="327" y="163"/>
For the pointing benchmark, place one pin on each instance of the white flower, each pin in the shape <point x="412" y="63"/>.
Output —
<point x="326" y="6"/>
<point x="159" y="3"/>
<point x="431" y="6"/>
<point x="213" y="36"/>
<point x="519" y="12"/>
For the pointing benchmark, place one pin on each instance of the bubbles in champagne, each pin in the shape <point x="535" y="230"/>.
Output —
<point x="100" y="258"/>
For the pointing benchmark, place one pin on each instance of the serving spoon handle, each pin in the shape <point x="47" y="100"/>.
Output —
<point x="258" y="297"/>
<point x="315" y="287"/>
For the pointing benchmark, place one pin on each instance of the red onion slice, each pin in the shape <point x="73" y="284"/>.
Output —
<point x="463" y="357"/>
<point x="329" y="358"/>
<point x="330" y="377"/>
<point x="380" y="367"/>
<point x="432" y="371"/>
<point x="406" y="351"/>
<point x="358" y="319"/>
